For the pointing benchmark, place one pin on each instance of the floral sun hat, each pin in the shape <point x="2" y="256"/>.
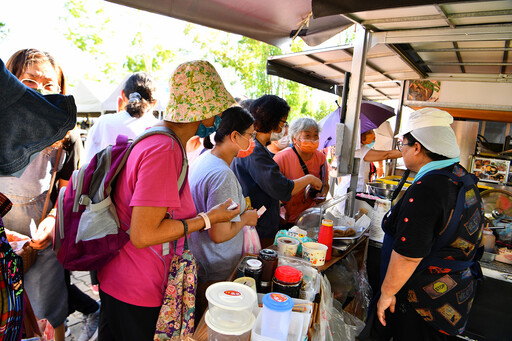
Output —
<point x="197" y="93"/>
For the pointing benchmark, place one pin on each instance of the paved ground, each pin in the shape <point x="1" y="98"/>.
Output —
<point x="83" y="281"/>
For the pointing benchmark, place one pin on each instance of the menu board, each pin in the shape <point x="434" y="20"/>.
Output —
<point x="490" y="170"/>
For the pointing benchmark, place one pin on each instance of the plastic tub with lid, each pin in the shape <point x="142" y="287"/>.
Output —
<point x="230" y="306"/>
<point x="242" y="333"/>
<point x="275" y="315"/>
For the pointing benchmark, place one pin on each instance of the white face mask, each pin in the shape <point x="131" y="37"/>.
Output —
<point x="283" y="142"/>
<point x="277" y="136"/>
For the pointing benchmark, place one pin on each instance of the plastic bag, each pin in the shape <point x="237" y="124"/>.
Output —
<point x="252" y="243"/>
<point x="334" y="323"/>
<point x="310" y="276"/>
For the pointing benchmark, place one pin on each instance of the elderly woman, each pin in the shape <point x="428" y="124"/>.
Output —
<point x="302" y="159"/>
<point x="133" y="283"/>
<point x="259" y="174"/>
<point x="429" y="256"/>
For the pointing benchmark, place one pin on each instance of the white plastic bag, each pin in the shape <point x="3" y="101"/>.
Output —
<point x="252" y="243"/>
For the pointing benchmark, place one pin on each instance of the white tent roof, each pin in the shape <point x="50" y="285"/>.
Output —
<point x="89" y="96"/>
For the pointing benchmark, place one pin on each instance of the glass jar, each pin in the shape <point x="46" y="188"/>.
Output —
<point x="269" y="259"/>
<point x="287" y="280"/>
<point x="254" y="268"/>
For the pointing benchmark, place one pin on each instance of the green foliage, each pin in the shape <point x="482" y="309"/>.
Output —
<point x="152" y="60"/>
<point x="248" y="58"/>
<point x="3" y="30"/>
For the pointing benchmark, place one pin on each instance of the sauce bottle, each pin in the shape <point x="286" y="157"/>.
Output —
<point x="325" y="236"/>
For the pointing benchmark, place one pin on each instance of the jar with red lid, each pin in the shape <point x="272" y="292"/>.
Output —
<point x="287" y="280"/>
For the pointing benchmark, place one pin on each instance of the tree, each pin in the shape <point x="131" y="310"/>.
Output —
<point x="3" y="30"/>
<point x="89" y="26"/>
<point x="248" y="58"/>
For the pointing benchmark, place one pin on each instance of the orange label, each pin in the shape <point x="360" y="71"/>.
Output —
<point x="232" y="293"/>
<point x="278" y="297"/>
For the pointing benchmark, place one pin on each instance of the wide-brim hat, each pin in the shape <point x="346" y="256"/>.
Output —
<point x="196" y="93"/>
<point x="431" y="127"/>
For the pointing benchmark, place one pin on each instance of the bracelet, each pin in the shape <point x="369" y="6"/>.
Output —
<point x="207" y="223"/>
<point x="52" y="213"/>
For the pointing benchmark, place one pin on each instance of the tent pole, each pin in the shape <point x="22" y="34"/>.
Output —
<point x="392" y="165"/>
<point x="347" y="163"/>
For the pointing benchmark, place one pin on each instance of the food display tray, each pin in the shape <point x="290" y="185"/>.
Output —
<point x="359" y="232"/>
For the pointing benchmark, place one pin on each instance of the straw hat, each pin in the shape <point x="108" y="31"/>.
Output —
<point x="197" y="93"/>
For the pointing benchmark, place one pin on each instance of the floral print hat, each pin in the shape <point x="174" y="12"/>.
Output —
<point x="197" y="93"/>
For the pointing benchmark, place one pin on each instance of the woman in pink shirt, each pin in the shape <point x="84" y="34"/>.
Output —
<point x="303" y="133"/>
<point x="132" y="285"/>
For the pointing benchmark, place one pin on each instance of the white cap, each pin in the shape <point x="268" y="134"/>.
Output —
<point x="431" y="127"/>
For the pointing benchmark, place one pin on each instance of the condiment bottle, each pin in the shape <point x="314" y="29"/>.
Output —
<point x="325" y="236"/>
<point x="287" y="280"/>
<point x="269" y="259"/>
<point x="254" y="268"/>
<point x="488" y="240"/>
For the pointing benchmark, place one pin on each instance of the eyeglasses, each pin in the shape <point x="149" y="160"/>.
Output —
<point x="50" y="86"/>
<point x="310" y="140"/>
<point x="285" y="123"/>
<point x="400" y="144"/>
<point x="252" y="135"/>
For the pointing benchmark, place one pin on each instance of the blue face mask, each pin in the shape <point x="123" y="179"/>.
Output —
<point x="203" y="131"/>
<point x="370" y="145"/>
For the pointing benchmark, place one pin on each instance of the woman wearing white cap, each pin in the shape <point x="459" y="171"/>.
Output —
<point x="429" y="257"/>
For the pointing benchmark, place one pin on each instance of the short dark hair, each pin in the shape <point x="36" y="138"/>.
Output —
<point x="433" y="156"/>
<point x="143" y="84"/>
<point x="268" y="111"/>
<point x="233" y="119"/>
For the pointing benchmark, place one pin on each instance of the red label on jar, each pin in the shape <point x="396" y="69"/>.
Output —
<point x="278" y="297"/>
<point x="232" y="293"/>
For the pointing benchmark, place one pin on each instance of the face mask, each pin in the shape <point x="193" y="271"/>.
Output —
<point x="370" y="145"/>
<point x="277" y="136"/>
<point x="246" y="152"/>
<point x="282" y="143"/>
<point x="308" y="146"/>
<point x="203" y="131"/>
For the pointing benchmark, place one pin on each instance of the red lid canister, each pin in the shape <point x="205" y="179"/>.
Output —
<point x="288" y="274"/>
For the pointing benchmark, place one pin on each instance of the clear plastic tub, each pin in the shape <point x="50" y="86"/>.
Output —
<point x="231" y="305"/>
<point x="275" y="316"/>
<point x="233" y="334"/>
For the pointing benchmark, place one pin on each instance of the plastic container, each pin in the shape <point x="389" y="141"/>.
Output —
<point x="248" y="281"/>
<point x="241" y="265"/>
<point x="275" y="316"/>
<point x="314" y="253"/>
<point x="287" y="246"/>
<point x="295" y="331"/>
<point x="218" y="334"/>
<point x="325" y="236"/>
<point x="287" y="280"/>
<point x="254" y="269"/>
<point x="488" y="240"/>
<point x="269" y="259"/>
<point x="230" y="305"/>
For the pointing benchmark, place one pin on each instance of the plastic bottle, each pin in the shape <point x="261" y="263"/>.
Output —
<point x="276" y="314"/>
<point x="325" y="236"/>
<point x="488" y="240"/>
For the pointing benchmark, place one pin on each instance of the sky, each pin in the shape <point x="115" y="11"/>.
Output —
<point x="39" y="24"/>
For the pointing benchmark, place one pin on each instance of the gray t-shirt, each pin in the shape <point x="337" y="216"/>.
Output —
<point x="212" y="182"/>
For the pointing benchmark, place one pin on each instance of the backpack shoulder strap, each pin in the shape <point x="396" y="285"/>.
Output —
<point x="161" y="130"/>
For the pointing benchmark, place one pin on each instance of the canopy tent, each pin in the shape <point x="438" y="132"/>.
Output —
<point x="89" y="96"/>
<point x="270" y="21"/>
